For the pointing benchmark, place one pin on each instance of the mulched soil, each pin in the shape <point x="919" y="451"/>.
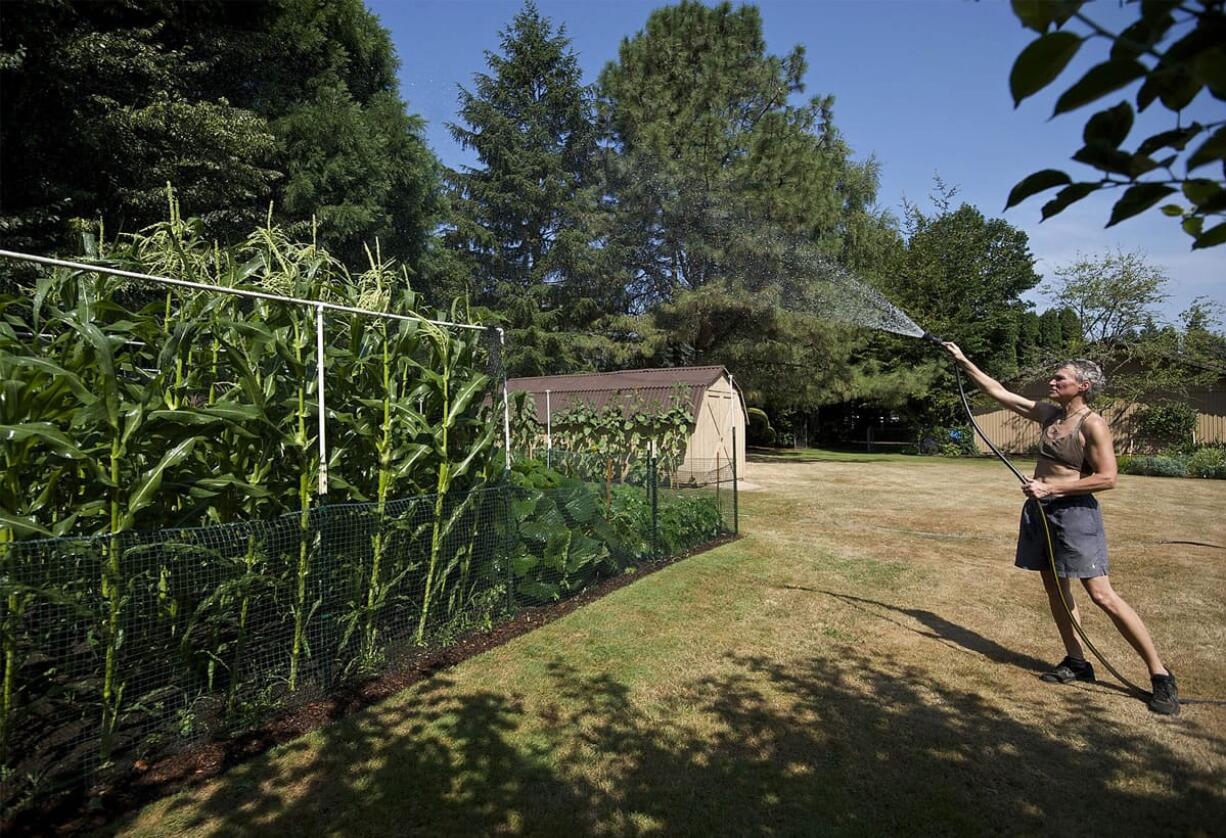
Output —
<point x="86" y="810"/>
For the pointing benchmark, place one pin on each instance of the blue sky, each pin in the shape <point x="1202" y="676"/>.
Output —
<point x="922" y="85"/>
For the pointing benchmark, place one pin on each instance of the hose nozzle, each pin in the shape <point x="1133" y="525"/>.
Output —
<point x="931" y="338"/>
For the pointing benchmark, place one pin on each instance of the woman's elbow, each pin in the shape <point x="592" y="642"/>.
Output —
<point x="1108" y="480"/>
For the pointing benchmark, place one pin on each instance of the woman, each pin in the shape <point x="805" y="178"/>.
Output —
<point x="1076" y="459"/>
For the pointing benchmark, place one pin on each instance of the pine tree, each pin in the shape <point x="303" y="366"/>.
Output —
<point x="709" y="151"/>
<point x="1028" y="351"/>
<point x="1051" y="332"/>
<point x="523" y="216"/>
<point x="1070" y="330"/>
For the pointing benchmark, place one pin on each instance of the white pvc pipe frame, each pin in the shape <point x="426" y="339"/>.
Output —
<point x="319" y="307"/>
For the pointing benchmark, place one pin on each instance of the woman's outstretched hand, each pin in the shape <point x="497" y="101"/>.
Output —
<point x="954" y="351"/>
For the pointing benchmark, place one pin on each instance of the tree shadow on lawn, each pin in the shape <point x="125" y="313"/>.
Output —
<point x="844" y="744"/>
<point x="954" y="635"/>
<point x="940" y="629"/>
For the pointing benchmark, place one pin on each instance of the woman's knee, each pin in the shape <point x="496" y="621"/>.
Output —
<point x="1104" y="596"/>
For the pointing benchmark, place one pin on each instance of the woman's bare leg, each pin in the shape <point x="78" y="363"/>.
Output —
<point x="1072" y="644"/>
<point x="1126" y="620"/>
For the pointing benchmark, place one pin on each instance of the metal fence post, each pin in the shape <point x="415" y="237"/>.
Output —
<point x="736" y="520"/>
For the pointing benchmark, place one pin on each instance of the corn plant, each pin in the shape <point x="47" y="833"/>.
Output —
<point x="124" y="411"/>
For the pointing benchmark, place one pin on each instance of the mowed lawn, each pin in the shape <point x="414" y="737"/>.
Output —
<point x="865" y="660"/>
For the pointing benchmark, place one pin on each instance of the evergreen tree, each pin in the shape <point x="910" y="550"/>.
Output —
<point x="288" y="103"/>
<point x="706" y="140"/>
<point x="962" y="275"/>
<point x="1070" y="330"/>
<point x="525" y="219"/>
<point x="1028" y="341"/>
<point x="523" y="214"/>
<point x="1051" y="332"/>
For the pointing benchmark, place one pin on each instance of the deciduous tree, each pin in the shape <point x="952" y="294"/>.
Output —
<point x="1177" y="50"/>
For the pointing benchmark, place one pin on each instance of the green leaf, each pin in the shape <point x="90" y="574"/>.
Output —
<point x="1030" y="185"/>
<point x="1214" y="204"/>
<point x="461" y="399"/>
<point x="1098" y="81"/>
<point x="1175" y="86"/>
<point x="105" y="359"/>
<point x="1176" y="138"/>
<point x="1109" y="127"/>
<point x="1040" y="63"/>
<point x="146" y="487"/>
<point x="1172" y="210"/>
<point x="1140" y="164"/>
<point x="1105" y="159"/>
<point x="1210" y="69"/>
<point x="1200" y="190"/>
<point x="45" y="433"/>
<point x="1211" y="149"/>
<point x="21" y="525"/>
<point x="1137" y="199"/>
<point x="1211" y="237"/>
<point x="1068" y="195"/>
<point x="1209" y="32"/>
<point x="74" y="383"/>
<point x="1192" y="225"/>
<point x="1155" y="20"/>
<point x="1041" y="14"/>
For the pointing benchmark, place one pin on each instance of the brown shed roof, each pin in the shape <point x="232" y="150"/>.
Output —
<point x="624" y="387"/>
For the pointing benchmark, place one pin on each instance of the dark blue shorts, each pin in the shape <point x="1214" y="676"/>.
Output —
<point x="1076" y="532"/>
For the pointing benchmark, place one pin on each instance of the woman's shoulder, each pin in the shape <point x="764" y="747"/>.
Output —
<point x="1095" y="422"/>
<point x="1046" y="413"/>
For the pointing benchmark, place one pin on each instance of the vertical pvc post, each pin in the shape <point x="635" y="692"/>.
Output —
<point x="736" y="516"/>
<point x="506" y="400"/>
<point x="548" y="431"/>
<point x="319" y="391"/>
<point x="653" y="487"/>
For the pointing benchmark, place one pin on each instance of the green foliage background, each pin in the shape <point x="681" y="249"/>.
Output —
<point x="637" y="219"/>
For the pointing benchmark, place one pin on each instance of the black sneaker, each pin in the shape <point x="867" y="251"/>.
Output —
<point x="1068" y="670"/>
<point x="1165" y="699"/>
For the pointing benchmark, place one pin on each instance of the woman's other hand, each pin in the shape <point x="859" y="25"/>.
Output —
<point x="1038" y="490"/>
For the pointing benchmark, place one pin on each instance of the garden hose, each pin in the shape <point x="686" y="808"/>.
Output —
<point x="1051" y="548"/>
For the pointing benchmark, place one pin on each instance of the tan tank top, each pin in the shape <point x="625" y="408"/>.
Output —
<point x="1067" y="450"/>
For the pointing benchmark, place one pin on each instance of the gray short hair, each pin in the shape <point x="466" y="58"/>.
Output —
<point x="1088" y="371"/>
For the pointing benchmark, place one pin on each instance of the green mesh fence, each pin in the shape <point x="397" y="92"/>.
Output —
<point x="122" y="649"/>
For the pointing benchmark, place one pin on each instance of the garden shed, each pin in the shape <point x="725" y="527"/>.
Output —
<point x="713" y="398"/>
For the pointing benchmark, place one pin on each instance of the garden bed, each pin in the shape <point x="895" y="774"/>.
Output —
<point x="87" y="810"/>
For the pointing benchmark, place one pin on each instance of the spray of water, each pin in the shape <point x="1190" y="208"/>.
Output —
<point x="787" y="270"/>
<point x="831" y="291"/>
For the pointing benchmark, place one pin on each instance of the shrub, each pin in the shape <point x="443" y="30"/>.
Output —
<point x="948" y="441"/>
<point x="1208" y="462"/>
<point x="1158" y="465"/>
<point x="1166" y="424"/>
